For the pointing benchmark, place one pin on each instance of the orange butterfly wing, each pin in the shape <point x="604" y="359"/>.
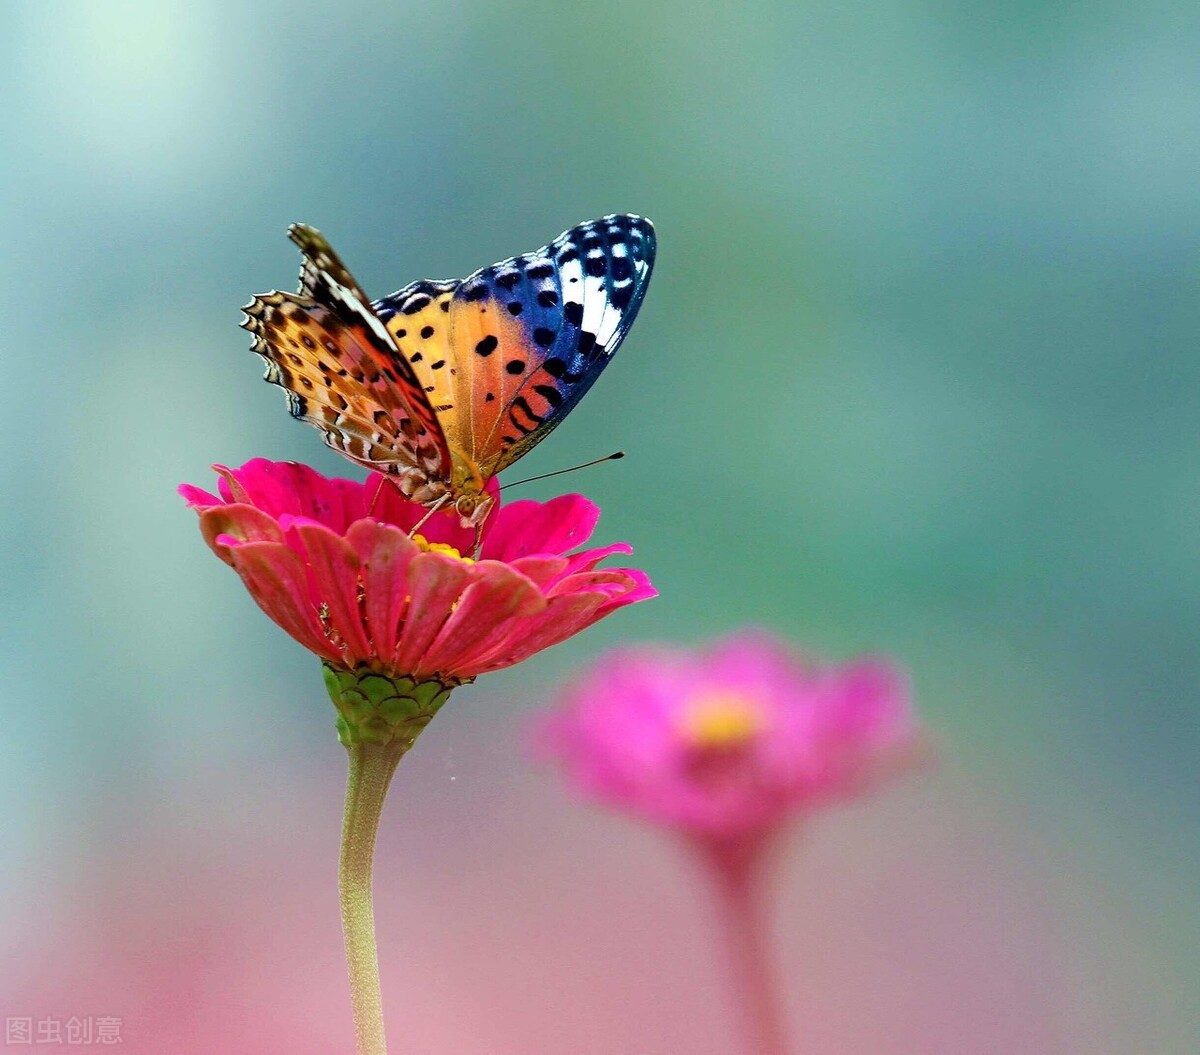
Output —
<point x="527" y="337"/>
<point x="343" y="373"/>
<point x="417" y="319"/>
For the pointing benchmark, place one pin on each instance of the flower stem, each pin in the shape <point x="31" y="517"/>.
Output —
<point x="371" y="769"/>
<point x="737" y="874"/>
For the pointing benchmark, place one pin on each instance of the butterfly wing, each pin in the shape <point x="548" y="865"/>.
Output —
<point x="343" y="373"/>
<point x="530" y="335"/>
<point x="417" y="318"/>
<point x="323" y="276"/>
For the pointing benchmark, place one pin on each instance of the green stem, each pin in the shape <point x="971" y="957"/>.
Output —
<point x="371" y="770"/>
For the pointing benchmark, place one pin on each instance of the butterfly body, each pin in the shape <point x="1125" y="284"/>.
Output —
<point x="443" y="384"/>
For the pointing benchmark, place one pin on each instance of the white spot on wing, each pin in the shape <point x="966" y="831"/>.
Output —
<point x="595" y="300"/>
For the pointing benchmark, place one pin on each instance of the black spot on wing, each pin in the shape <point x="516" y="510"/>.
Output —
<point x="550" y="394"/>
<point x="412" y="298"/>
<point x="621" y="298"/>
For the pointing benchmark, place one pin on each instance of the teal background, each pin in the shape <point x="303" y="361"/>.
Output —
<point x="916" y="374"/>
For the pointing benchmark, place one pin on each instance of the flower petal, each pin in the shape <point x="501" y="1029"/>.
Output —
<point x="483" y="618"/>
<point x="197" y="497"/>
<point x="543" y="571"/>
<point x="589" y="558"/>
<point x="277" y="580"/>
<point x="435" y="582"/>
<point x="640" y="589"/>
<point x="334" y="568"/>
<point x="384" y="553"/>
<point x="280" y="488"/>
<point x="529" y="527"/>
<point x="222" y="526"/>
<point x="561" y="618"/>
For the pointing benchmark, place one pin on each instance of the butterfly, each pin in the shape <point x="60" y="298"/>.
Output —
<point x="443" y="384"/>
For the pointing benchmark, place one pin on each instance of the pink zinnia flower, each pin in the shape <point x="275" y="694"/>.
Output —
<point x="733" y="740"/>
<point x="333" y="563"/>
<point x="399" y="618"/>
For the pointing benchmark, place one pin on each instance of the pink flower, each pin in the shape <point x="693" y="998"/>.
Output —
<point x="728" y="743"/>
<point x="724" y="746"/>
<point x="353" y="587"/>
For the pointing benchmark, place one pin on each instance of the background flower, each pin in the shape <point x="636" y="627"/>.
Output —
<point x="733" y="739"/>
<point x="725" y="745"/>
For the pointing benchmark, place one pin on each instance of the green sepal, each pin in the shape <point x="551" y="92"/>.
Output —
<point x="377" y="709"/>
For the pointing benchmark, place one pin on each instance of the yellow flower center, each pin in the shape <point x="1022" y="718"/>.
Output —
<point x="439" y="547"/>
<point x="722" y="720"/>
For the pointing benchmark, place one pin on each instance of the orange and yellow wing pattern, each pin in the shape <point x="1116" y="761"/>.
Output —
<point x="527" y="337"/>
<point x="418" y="322"/>
<point x="342" y="372"/>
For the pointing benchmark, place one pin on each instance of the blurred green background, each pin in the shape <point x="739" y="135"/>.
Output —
<point x="917" y="373"/>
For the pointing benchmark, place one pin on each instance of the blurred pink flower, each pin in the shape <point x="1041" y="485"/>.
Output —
<point x="733" y="740"/>
<point x="725" y="746"/>
<point x="331" y="561"/>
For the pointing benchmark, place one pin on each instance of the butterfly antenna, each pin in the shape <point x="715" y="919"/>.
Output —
<point x="545" y="476"/>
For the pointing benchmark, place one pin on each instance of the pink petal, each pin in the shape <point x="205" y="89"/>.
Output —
<point x="384" y="553"/>
<point x="758" y="661"/>
<point x="244" y="523"/>
<point x="277" y="580"/>
<point x="544" y="571"/>
<point x="334" y="568"/>
<point x="435" y="582"/>
<point x="197" y="497"/>
<point x="483" y="618"/>
<point x="870" y="703"/>
<point x="641" y="589"/>
<point x="281" y="488"/>
<point x="529" y="527"/>
<point x="229" y="487"/>
<point x="589" y="558"/>
<point x="561" y="618"/>
<point x="599" y="581"/>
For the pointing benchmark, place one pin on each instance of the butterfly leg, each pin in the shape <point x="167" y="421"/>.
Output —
<point x="432" y="509"/>
<point x="478" y="547"/>
<point x="383" y="480"/>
